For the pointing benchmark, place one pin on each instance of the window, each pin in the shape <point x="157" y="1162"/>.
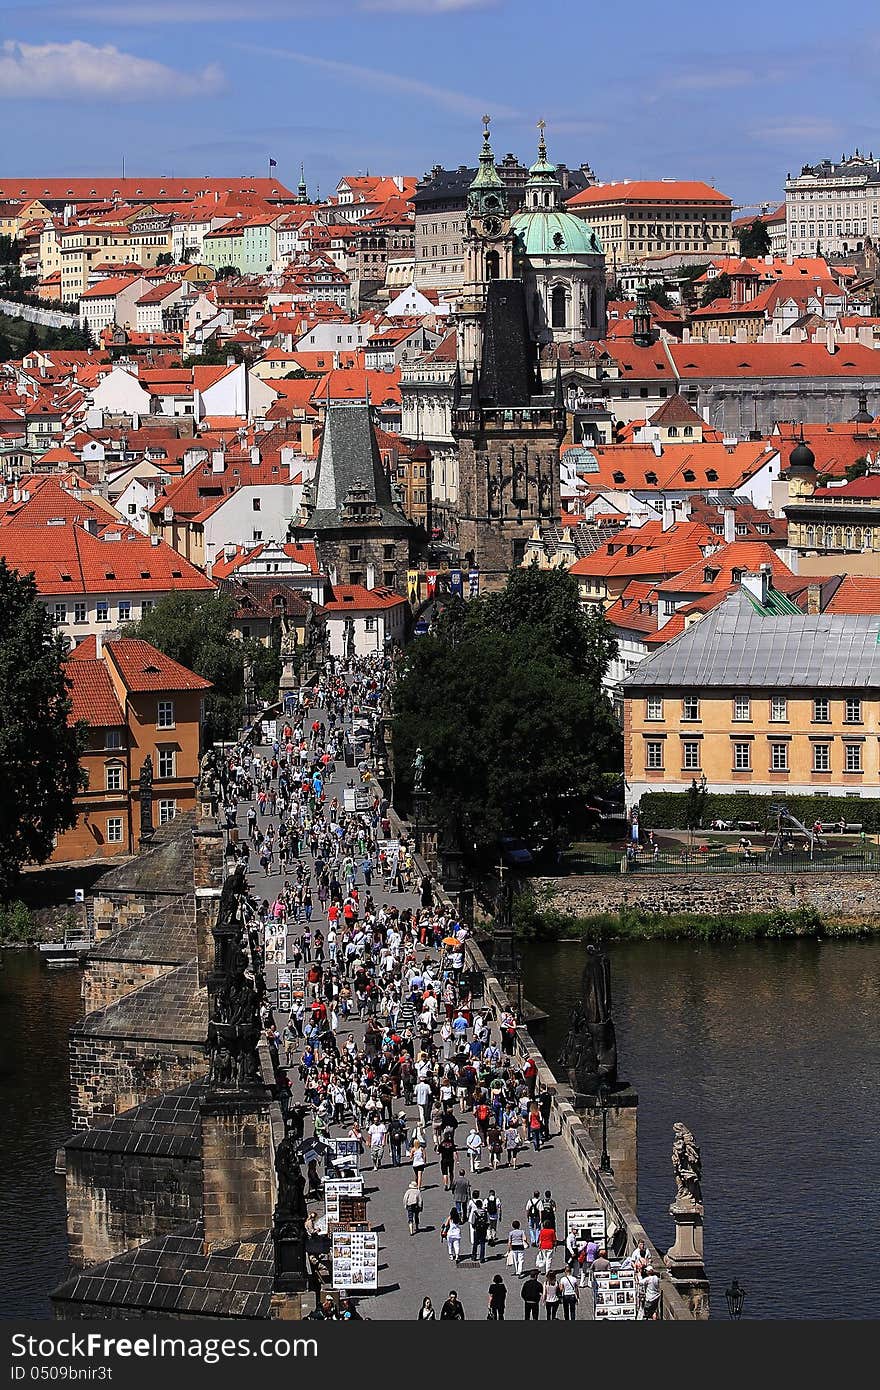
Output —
<point x="821" y="711"/>
<point x="690" y="756"/>
<point x="821" y="757"/>
<point x="742" y="707"/>
<point x="102" y="611"/>
<point x="165" y="714"/>
<point x="742" y="757"/>
<point x="779" y="757"/>
<point x="166" y="762"/>
<point x="852" y="757"/>
<point x="125" y="610"/>
<point x="354" y="552"/>
<point x="79" y="612"/>
<point x="389" y="579"/>
<point x="147" y="606"/>
<point x="369" y="624"/>
<point x="653" y="707"/>
<point x="112" y="738"/>
<point x="167" y="811"/>
<point x="558" y="307"/>
<point x="690" y="707"/>
<point x="257" y="504"/>
<point x="114" y="830"/>
<point x="60" y="613"/>
<point x="654" y="756"/>
<point x="853" y="711"/>
<point x="113" y="777"/>
<point x="388" y="552"/>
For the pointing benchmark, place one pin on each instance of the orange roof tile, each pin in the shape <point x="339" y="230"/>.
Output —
<point x="92" y="696"/>
<point x="656" y="191"/>
<point x="144" y="668"/>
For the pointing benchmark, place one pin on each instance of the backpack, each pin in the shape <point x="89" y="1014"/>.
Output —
<point x="480" y="1223"/>
<point x="492" y="1206"/>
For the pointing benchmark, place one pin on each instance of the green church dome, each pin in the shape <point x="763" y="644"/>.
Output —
<point x="551" y="232"/>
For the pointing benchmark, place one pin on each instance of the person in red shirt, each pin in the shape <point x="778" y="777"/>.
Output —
<point x="530" y="1075"/>
<point x="546" y="1246"/>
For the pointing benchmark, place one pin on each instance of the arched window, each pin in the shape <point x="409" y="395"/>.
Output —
<point x="848" y="539"/>
<point x="492" y="265"/>
<point x="811" y="535"/>
<point x="558" y="306"/>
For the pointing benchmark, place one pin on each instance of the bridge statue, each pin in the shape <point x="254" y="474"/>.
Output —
<point x="687" y="1169"/>
<point x="589" y="1052"/>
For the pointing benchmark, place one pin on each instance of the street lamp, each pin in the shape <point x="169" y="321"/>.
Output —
<point x="604" y="1158"/>
<point x="736" y="1297"/>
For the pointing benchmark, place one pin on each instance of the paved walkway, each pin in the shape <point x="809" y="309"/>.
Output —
<point x="412" y="1266"/>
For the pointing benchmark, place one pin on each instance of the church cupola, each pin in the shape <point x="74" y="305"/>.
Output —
<point x="543" y="189"/>
<point x="487" y="196"/>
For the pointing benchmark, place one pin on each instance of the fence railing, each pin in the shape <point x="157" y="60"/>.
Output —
<point x="757" y="860"/>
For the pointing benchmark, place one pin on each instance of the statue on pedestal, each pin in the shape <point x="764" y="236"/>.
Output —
<point x="687" y="1169"/>
<point x="291" y="1182"/>
<point x="596" y="993"/>
<point x="418" y="770"/>
<point x="578" y="1055"/>
<point x="234" y="1015"/>
<point x="145" y="783"/>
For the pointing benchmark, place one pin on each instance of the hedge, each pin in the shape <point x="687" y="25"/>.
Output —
<point x="668" y="810"/>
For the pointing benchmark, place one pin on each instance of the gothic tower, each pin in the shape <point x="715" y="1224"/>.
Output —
<point x="508" y="429"/>
<point x="488" y="251"/>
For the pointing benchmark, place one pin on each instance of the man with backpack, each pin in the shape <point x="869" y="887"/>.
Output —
<point x="493" y="1214"/>
<point x="479" y="1223"/>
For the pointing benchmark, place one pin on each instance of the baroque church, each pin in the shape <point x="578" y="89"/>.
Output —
<point x="530" y="279"/>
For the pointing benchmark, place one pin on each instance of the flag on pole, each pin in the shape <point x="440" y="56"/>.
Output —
<point x="273" y="163"/>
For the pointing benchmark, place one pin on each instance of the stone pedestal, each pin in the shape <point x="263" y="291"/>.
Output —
<point x="621" y="1121"/>
<point x="289" y="1242"/>
<point x="207" y="902"/>
<point x="685" y="1259"/>
<point x="237" y="1159"/>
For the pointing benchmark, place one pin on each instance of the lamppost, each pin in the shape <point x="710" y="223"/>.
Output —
<point x="698" y="801"/>
<point x="736" y="1297"/>
<point x="604" y="1158"/>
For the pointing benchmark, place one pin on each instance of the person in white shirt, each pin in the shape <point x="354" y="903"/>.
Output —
<point x="649" y="1286"/>
<point x="474" y="1146"/>
<point x="423" y="1100"/>
<point x="377" y="1134"/>
<point x="516" y="1246"/>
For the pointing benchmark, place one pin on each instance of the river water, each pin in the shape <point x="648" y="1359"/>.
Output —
<point x="37" y="1007"/>
<point x="770" y="1053"/>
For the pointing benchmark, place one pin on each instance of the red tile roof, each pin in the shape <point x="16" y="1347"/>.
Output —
<point x="855" y="594"/>
<point x="695" y="360"/>
<point x="349" y="596"/>
<point x="143" y="668"/>
<point x="303" y="553"/>
<point x="92" y="695"/>
<point x="648" y="191"/>
<point x="68" y="560"/>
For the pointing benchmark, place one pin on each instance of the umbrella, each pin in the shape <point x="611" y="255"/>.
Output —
<point x="451" y="941"/>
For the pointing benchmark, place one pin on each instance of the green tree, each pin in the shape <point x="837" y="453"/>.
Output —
<point x="198" y="631"/>
<point x="857" y="469"/>
<point x="659" y="295"/>
<point x="39" y="749"/>
<point x="504" y="698"/>
<point x="165" y="258"/>
<point x="718" y="288"/>
<point x="226" y="272"/>
<point x="754" y="240"/>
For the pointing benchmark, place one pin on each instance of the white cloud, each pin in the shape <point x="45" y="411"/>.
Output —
<point x="458" y="102"/>
<point x="59" y="71"/>
<point x="806" y="128"/>
<point x="427" y="6"/>
<point x="712" y="80"/>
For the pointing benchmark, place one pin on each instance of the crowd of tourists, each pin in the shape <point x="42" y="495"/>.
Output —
<point x="435" y="1072"/>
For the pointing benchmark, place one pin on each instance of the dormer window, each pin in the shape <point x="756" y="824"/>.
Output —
<point x="690" y="477"/>
<point x="651" y="478"/>
<point x="710" y="575"/>
<point x="618" y="477"/>
<point x="711" y="475"/>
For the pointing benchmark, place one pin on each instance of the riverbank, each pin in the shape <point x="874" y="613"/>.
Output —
<point x="538" y="918"/>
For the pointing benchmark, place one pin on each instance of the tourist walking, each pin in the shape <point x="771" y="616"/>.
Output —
<point x="412" y="1205"/>
<point x="497" y="1298"/>
<point x="516" y="1248"/>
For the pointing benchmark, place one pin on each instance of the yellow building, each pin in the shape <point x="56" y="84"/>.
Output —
<point x="636" y="219"/>
<point x="758" y="699"/>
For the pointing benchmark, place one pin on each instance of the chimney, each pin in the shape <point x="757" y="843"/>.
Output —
<point x="99" y="646"/>
<point x="371" y="577"/>
<point x="657" y="447"/>
<point x="758" y="584"/>
<point x="218" y="461"/>
<point x="729" y="525"/>
<point x="668" y="516"/>
<point x="814" y="599"/>
<point x="255" y="456"/>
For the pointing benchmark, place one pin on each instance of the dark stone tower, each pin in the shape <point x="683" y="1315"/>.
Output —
<point x="509" y="430"/>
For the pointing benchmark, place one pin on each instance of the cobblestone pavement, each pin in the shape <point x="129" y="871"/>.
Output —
<point x="412" y="1266"/>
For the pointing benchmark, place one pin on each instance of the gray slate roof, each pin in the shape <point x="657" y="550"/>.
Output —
<point x="349" y="461"/>
<point x="173" y="1276"/>
<point x="734" y="646"/>
<point x="170" y="1009"/>
<point x="168" y="1126"/>
<point x="159" y="939"/>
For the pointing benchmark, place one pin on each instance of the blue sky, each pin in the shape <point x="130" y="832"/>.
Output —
<point x="689" y="90"/>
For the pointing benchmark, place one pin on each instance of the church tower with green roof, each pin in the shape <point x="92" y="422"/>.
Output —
<point x="489" y="247"/>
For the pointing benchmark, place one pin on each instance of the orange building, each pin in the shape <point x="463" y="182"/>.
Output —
<point x="137" y="704"/>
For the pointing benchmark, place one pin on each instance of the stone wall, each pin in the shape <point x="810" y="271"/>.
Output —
<point x="109" y="1075"/>
<point x="847" y="897"/>
<point x="118" y="1200"/>
<point x="238" y="1168"/>
<point x="106" y="981"/>
<point x="49" y="318"/>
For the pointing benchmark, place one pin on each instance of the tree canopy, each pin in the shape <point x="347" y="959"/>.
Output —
<point x="717" y="288"/>
<point x="198" y="631"/>
<point x="754" y="240"/>
<point x="39" y="748"/>
<point x="504" y="698"/>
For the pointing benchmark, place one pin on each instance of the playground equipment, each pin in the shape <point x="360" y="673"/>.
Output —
<point x="782" y="816"/>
